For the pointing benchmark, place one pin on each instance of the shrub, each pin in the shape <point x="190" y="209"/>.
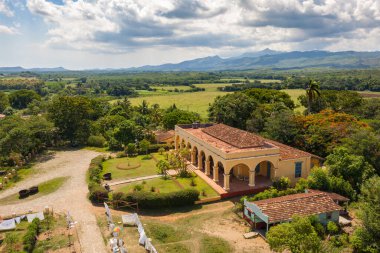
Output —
<point x="138" y="188"/>
<point x="159" y="200"/>
<point x="192" y="182"/>
<point x="30" y="236"/>
<point x="96" y="141"/>
<point x="95" y="169"/>
<point x="281" y="183"/>
<point x="98" y="193"/>
<point x="332" y="228"/>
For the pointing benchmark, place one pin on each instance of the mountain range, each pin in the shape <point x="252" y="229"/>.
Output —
<point x="265" y="59"/>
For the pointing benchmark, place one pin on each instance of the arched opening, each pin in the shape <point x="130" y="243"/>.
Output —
<point x="220" y="168"/>
<point x="183" y="144"/>
<point x="189" y="146"/>
<point x="240" y="172"/>
<point x="211" y="165"/>
<point x="195" y="156"/>
<point x="264" y="169"/>
<point x="203" y="160"/>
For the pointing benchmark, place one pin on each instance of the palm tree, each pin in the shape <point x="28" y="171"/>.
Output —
<point x="312" y="92"/>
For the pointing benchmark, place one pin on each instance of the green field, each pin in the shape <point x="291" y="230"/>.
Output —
<point x="195" y="101"/>
<point x="145" y="167"/>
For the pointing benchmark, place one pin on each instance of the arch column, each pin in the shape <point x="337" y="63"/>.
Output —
<point x="200" y="160"/>
<point x="251" y="178"/>
<point x="192" y="157"/>
<point x="216" y="173"/>
<point x="226" y="182"/>
<point x="208" y="163"/>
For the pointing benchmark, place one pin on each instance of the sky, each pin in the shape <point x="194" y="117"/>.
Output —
<point x="86" y="34"/>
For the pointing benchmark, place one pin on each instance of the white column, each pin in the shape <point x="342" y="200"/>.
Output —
<point x="216" y="173"/>
<point x="226" y="182"/>
<point x="251" y="178"/>
<point x="207" y="167"/>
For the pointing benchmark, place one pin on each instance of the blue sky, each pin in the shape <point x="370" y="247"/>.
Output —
<point x="87" y="34"/>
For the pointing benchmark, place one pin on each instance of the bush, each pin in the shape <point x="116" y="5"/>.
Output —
<point x="281" y="183"/>
<point x="96" y="141"/>
<point x="159" y="200"/>
<point x="95" y="169"/>
<point x="138" y="188"/>
<point x="98" y="193"/>
<point x="30" y="236"/>
<point x="332" y="228"/>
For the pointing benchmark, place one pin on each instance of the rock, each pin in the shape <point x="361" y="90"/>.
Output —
<point x="250" y="235"/>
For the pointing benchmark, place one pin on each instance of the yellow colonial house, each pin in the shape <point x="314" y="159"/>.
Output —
<point x="239" y="161"/>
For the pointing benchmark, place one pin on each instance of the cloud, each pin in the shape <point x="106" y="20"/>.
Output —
<point x="115" y="26"/>
<point x="7" y="30"/>
<point x="4" y="9"/>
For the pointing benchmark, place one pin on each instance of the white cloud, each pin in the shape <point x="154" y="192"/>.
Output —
<point x="4" y="9"/>
<point x="116" y="26"/>
<point x="7" y="30"/>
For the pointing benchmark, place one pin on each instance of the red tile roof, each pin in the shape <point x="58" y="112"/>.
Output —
<point x="161" y="136"/>
<point x="334" y="196"/>
<point x="303" y="204"/>
<point x="230" y="139"/>
<point x="234" y="136"/>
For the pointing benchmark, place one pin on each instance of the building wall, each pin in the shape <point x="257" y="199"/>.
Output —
<point x="324" y="220"/>
<point x="287" y="169"/>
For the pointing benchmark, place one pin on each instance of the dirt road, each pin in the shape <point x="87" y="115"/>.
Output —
<point x="72" y="196"/>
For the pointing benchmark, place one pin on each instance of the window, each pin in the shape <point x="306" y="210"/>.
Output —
<point x="298" y="169"/>
<point x="328" y="216"/>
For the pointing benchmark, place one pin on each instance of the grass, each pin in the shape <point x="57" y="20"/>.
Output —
<point x="97" y="149"/>
<point x="55" y="225"/>
<point x="160" y="184"/>
<point x="201" y="186"/>
<point x="44" y="188"/>
<point x="147" y="167"/>
<point x="211" y="244"/>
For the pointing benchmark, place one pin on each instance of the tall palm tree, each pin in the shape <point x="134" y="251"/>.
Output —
<point x="312" y="92"/>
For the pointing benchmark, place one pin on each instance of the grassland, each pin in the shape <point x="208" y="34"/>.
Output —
<point x="44" y="188"/>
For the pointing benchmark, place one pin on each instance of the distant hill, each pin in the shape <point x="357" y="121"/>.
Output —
<point x="269" y="59"/>
<point x="21" y="69"/>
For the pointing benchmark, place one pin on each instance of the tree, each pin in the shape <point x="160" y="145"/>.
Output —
<point x="283" y="127"/>
<point x="232" y="109"/>
<point x="312" y="91"/>
<point x="127" y="132"/>
<point x="144" y="145"/>
<point x="271" y="96"/>
<point x="21" y="98"/>
<point x="4" y="101"/>
<point x="351" y="168"/>
<point x="174" y="117"/>
<point x="131" y="149"/>
<point x="367" y="237"/>
<point x="367" y="144"/>
<point x="72" y="115"/>
<point x="297" y="236"/>
<point x="163" y="166"/>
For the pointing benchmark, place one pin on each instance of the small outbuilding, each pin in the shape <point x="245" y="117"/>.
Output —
<point x="165" y="137"/>
<point x="268" y="212"/>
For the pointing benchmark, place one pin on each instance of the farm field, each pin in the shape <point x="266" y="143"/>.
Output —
<point x="192" y="101"/>
<point x="196" y="101"/>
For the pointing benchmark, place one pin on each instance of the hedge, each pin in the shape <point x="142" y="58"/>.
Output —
<point x="31" y="234"/>
<point x="97" y="192"/>
<point x="158" y="200"/>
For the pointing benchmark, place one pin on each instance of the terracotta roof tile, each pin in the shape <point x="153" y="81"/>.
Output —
<point x="164" y="135"/>
<point x="303" y="204"/>
<point x="234" y="136"/>
<point x="230" y="139"/>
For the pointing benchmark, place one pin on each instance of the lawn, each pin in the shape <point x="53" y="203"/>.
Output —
<point x="44" y="188"/>
<point x="160" y="185"/>
<point x="205" y="190"/>
<point x="168" y="185"/>
<point x="145" y="167"/>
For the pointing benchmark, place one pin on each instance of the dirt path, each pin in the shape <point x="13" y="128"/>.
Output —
<point x="72" y="196"/>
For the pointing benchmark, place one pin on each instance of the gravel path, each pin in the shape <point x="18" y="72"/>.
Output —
<point x="72" y="196"/>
